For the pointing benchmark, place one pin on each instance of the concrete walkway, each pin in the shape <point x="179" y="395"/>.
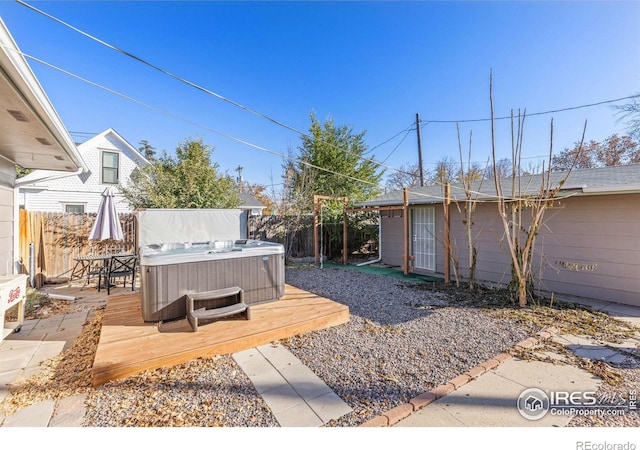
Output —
<point x="20" y="357"/>
<point x="296" y="396"/>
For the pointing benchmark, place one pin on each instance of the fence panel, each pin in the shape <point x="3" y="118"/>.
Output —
<point x="296" y="234"/>
<point x="58" y="238"/>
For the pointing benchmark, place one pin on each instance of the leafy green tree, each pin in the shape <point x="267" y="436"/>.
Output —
<point x="331" y="162"/>
<point x="187" y="181"/>
<point x="147" y="150"/>
<point x="21" y="171"/>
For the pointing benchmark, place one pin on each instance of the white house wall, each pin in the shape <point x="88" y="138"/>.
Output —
<point x="86" y="188"/>
<point x="7" y="176"/>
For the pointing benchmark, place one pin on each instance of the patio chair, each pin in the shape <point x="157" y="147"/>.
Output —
<point x="94" y="268"/>
<point x="119" y="266"/>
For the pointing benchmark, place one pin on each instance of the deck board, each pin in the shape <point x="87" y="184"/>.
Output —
<point x="128" y="345"/>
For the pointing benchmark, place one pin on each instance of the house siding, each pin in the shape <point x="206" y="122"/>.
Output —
<point x="86" y="188"/>
<point x="589" y="247"/>
<point x="7" y="177"/>
<point x="391" y="241"/>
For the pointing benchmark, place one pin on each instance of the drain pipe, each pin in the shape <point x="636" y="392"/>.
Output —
<point x="379" y="246"/>
<point x="32" y="265"/>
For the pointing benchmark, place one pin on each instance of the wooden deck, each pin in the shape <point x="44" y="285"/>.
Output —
<point x="128" y="345"/>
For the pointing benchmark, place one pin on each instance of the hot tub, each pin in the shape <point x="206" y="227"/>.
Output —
<point x="169" y="271"/>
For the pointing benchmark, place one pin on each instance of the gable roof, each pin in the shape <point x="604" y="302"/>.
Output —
<point x="249" y="201"/>
<point x="601" y="180"/>
<point x="90" y="144"/>
<point x="31" y="132"/>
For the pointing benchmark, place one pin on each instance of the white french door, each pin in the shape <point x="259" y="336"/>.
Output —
<point x="423" y="220"/>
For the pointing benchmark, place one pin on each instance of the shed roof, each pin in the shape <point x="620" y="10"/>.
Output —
<point x="601" y="180"/>
<point x="249" y="201"/>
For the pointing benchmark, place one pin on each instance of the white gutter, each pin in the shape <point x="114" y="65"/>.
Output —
<point x="19" y="183"/>
<point x="612" y="190"/>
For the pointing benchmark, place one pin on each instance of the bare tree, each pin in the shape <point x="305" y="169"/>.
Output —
<point x="407" y="176"/>
<point x="520" y="234"/>
<point x="471" y="199"/>
<point x="629" y="113"/>
<point x="613" y="151"/>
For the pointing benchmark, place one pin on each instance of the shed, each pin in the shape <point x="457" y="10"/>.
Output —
<point x="589" y="246"/>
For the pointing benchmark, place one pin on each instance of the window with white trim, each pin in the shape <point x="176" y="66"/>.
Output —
<point x="75" y="208"/>
<point x="110" y="167"/>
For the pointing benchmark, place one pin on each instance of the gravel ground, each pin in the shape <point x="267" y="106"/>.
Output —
<point x="402" y="340"/>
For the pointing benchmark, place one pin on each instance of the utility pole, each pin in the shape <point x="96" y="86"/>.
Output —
<point x="420" y="170"/>
<point x="239" y="170"/>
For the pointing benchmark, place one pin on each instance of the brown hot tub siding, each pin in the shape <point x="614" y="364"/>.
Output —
<point x="163" y="288"/>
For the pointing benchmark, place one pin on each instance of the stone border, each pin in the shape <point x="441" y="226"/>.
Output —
<point x="400" y="412"/>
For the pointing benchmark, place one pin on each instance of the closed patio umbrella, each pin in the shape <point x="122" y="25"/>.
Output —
<point x="107" y="224"/>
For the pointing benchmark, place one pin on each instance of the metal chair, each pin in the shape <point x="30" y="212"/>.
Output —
<point x="119" y="266"/>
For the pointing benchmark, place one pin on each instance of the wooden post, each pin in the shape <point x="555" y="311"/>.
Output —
<point x="315" y="228"/>
<point x="344" y="233"/>
<point x="447" y="235"/>
<point x="405" y="217"/>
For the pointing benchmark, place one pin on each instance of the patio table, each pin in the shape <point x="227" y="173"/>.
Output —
<point x="85" y="262"/>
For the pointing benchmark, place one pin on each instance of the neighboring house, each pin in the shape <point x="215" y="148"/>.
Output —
<point x="31" y="135"/>
<point x="110" y="159"/>
<point x="589" y="247"/>
<point x="249" y="203"/>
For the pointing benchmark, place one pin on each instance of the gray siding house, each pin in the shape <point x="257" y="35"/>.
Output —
<point x="588" y="247"/>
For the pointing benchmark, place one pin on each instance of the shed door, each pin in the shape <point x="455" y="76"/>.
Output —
<point x="423" y="237"/>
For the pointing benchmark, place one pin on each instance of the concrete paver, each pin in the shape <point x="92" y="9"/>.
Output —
<point x="69" y="412"/>
<point x="491" y="399"/>
<point x="36" y="415"/>
<point x="297" y="397"/>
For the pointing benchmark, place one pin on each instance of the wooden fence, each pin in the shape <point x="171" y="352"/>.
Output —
<point x="58" y="238"/>
<point x="297" y="236"/>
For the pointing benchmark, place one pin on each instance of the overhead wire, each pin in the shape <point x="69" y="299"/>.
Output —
<point x="189" y="83"/>
<point x="176" y="116"/>
<point x="412" y="191"/>
<point x="540" y="113"/>
<point x="264" y="116"/>
<point x="242" y="141"/>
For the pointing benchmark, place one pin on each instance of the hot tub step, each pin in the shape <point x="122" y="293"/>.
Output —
<point x="195" y="313"/>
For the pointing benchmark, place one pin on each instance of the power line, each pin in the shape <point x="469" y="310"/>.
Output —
<point x="233" y="138"/>
<point x="571" y="108"/>
<point x="187" y="82"/>
<point x="175" y="116"/>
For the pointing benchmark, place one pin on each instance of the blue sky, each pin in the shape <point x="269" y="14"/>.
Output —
<point x="369" y="65"/>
